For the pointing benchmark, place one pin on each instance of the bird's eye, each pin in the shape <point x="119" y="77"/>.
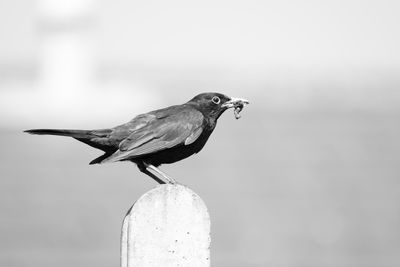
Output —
<point x="216" y="100"/>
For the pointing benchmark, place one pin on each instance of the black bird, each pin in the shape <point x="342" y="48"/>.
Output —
<point x="161" y="136"/>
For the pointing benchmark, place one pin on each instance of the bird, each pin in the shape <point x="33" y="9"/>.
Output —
<point x="162" y="136"/>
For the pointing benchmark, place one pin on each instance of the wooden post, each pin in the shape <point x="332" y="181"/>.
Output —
<point x="168" y="226"/>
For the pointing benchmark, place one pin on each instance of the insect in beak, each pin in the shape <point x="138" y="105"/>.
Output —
<point x="234" y="102"/>
<point x="237" y="103"/>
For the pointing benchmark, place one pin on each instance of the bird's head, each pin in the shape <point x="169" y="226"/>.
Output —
<point x="214" y="104"/>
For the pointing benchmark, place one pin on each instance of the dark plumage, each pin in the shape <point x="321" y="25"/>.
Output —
<point x="162" y="136"/>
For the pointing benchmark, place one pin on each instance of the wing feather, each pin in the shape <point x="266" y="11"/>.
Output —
<point x="180" y="128"/>
<point x="193" y="137"/>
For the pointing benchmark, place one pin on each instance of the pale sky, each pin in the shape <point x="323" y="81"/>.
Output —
<point x="300" y="34"/>
<point x="264" y="33"/>
<point x="294" y="54"/>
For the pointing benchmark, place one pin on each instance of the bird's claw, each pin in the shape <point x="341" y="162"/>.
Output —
<point x="171" y="180"/>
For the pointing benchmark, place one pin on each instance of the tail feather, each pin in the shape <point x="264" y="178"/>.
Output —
<point x="94" y="138"/>
<point x="61" y="132"/>
<point x="100" y="159"/>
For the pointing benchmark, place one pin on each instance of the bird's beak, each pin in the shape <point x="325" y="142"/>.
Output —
<point x="234" y="102"/>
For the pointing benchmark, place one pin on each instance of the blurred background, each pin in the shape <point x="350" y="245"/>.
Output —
<point x="310" y="176"/>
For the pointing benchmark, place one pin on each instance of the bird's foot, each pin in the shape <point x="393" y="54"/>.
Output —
<point x="172" y="181"/>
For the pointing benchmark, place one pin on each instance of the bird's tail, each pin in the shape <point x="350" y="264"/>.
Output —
<point x="61" y="132"/>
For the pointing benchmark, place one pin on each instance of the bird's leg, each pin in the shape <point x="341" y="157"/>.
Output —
<point x="158" y="175"/>
<point x="170" y="180"/>
<point x="143" y="168"/>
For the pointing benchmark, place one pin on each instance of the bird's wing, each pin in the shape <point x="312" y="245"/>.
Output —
<point x="183" y="127"/>
<point x="109" y="139"/>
